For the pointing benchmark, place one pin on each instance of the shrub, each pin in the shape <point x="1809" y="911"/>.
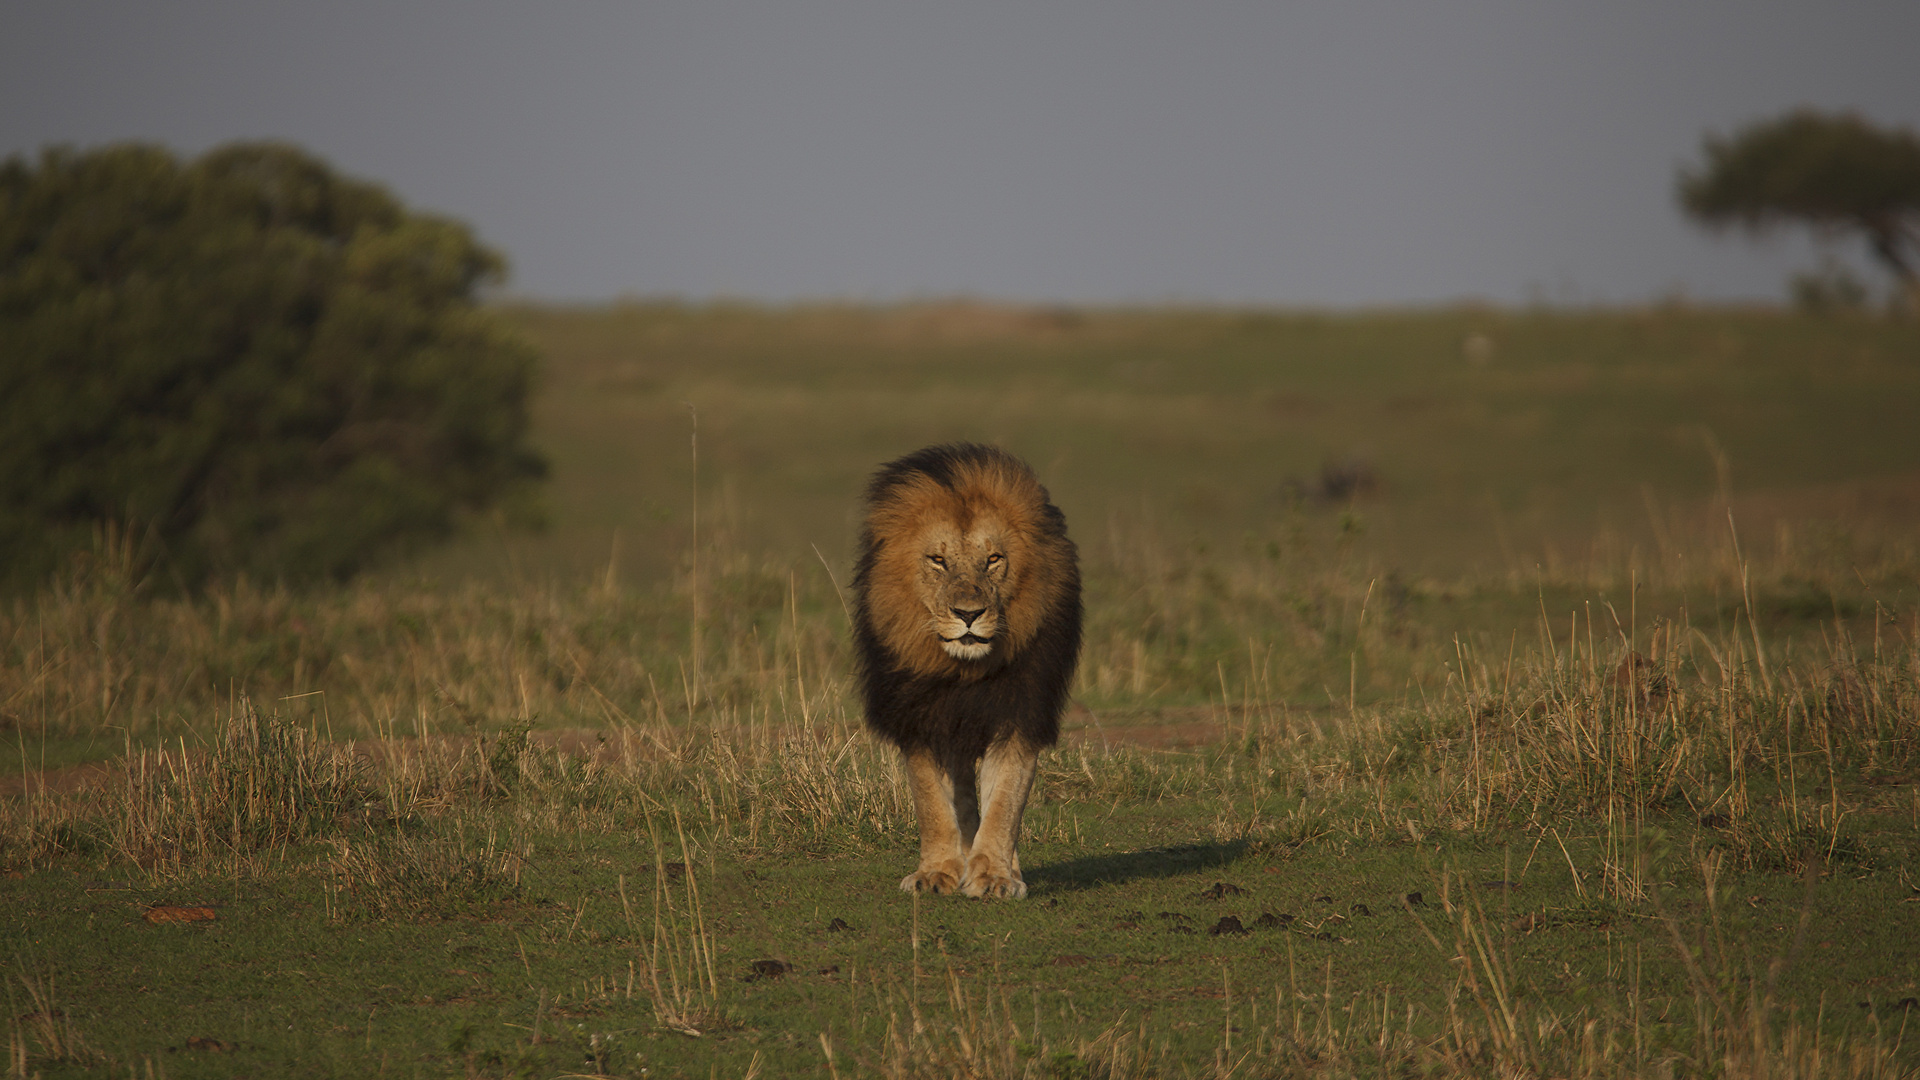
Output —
<point x="246" y="363"/>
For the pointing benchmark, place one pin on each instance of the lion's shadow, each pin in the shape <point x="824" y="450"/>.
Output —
<point x="1090" y="871"/>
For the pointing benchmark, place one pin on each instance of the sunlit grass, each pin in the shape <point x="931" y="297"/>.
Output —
<point x="1566" y="799"/>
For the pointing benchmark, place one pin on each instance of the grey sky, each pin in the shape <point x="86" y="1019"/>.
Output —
<point x="1350" y="152"/>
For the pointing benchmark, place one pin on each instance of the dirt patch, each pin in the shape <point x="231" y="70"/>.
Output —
<point x="65" y="780"/>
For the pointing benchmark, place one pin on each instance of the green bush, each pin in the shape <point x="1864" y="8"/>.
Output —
<point x="1834" y="172"/>
<point x="245" y="364"/>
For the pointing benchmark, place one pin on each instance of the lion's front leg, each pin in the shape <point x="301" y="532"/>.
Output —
<point x="1006" y="778"/>
<point x="942" y="848"/>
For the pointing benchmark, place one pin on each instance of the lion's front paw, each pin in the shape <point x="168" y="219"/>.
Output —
<point x="990" y="885"/>
<point x="933" y="880"/>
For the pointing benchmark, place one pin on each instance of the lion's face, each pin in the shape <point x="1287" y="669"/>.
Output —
<point x="961" y="572"/>
<point x="962" y="581"/>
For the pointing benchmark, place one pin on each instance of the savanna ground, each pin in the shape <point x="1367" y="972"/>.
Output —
<point x="1465" y="693"/>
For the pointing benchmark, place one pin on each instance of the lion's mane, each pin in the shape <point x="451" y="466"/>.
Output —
<point x="918" y="696"/>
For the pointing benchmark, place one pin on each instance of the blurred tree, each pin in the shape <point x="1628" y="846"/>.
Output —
<point x="1833" y="172"/>
<point x="1830" y="289"/>
<point x="245" y="364"/>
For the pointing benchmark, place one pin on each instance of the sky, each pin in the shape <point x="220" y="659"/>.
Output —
<point x="1346" y="153"/>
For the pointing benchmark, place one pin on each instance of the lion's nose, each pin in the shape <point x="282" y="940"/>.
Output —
<point x="967" y="615"/>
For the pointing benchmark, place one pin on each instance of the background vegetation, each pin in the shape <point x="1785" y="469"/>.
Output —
<point x="1835" y="173"/>
<point x="1466" y="692"/>
<point x="242" y="364"/>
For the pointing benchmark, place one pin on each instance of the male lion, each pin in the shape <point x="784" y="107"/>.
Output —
<point x="967" y="622"/>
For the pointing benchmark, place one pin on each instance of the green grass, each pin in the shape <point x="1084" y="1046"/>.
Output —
<point x="504" y="909"/>
<point x="1562" y="437"/>
<point x="1616" y="666"/>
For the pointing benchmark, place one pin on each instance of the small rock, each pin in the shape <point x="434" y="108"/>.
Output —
<point x="1414" y="899"/>
<point x="769" y="969"/>
<point x="1360" y="909"/>
<point x="838" y="926"/>
<point x="1228" y="924"/>
<point x="1223" y="889"/>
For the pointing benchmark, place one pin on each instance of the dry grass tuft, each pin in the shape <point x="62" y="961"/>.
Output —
<point x="44" y="1031"/>
<point x="677" y="965"/>
<point x="261" y="785"/>
<point x="422" y="876"/>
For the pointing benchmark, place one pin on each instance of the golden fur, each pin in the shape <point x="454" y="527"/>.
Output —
<point x="968" y="624"/>
<point x="984" y="530"/>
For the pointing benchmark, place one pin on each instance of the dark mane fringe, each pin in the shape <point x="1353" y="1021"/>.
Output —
<point x="937" y="463"/>
<point x="959" y="719"/>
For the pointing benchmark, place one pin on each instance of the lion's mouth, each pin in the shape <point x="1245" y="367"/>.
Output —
<point x="968" y="646"/>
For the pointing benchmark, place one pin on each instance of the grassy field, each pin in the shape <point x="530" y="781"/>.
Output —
<point x="1465" y="693"/>
<point x="1491" y="441"/>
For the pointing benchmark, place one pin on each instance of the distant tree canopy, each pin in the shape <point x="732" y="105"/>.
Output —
<point x="245" y="363"/>
<point x="1834" y="172"/>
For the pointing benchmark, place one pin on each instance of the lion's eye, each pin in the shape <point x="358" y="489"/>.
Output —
<point x="937" y="561"/>
<point x="995" y="560"/>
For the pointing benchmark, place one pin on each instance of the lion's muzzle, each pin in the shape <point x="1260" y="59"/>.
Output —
<point x="967" y="633"/>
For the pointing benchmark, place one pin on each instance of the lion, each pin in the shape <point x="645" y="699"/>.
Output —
<point x="966" y="621"/>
